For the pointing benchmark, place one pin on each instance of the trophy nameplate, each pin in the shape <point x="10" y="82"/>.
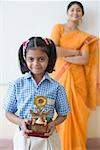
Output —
<point x="38" y="124"/>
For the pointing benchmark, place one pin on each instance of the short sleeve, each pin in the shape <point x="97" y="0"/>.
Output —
<point x="62" y="105"/>
<point x="85" y="47"/>
<point x="10" y="102"/>
<point x="86" y="44"/>
<point x="56" y="34"/>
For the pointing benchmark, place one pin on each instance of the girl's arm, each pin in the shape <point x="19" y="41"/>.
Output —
<point x="62" y="52"/>
<point x="52" y="125"/>
<point x="13" y="118"/>
<point x="20" y="122"/>
<point x="81" y="60"/>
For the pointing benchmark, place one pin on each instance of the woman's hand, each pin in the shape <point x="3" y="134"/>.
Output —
<point x="81" y="59"/>
<point x="62" y="52"/>
<point x="77" y="52"/>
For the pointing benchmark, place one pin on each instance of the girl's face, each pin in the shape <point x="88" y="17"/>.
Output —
<point x="37" y="61"/>
<point x="75" y="13"/>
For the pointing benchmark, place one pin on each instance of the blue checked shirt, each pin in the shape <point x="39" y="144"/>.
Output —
<point x="23" y="91"/>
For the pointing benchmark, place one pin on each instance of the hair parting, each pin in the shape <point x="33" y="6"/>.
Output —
<point x="33" y="43"/>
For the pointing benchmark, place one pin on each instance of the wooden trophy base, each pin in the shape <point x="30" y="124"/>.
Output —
<point x="38" y="130"/>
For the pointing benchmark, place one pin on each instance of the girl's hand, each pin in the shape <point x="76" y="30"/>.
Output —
<point x="23" y="126"/>
<point x="50" y="129"/>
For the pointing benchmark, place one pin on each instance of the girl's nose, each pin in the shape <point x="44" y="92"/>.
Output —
<point x="36" y="62"/>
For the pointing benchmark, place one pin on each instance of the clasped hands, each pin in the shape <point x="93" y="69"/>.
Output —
<point x="50" y="128"/>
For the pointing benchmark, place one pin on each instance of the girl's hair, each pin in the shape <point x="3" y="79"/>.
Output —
<point x="46" y="45"/>
<point x="78" y="3"/>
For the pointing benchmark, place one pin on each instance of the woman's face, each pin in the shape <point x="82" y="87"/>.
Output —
<point x="75" y="13"/>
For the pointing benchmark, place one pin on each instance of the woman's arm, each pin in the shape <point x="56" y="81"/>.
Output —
<point x="81" y="60"/>
<point x="62" y="52"/>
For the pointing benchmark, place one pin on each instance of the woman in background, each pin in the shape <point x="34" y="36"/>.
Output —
<point x="76" y="69"/>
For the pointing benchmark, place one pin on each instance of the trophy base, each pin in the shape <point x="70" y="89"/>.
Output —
<point x="38" y="130"/>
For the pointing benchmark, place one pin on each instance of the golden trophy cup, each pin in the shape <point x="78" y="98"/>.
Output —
<point x="38" y="124"/>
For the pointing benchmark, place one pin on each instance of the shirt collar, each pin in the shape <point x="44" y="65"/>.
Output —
<point x="28" y="75"/>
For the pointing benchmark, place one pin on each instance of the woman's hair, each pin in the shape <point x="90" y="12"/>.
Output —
<point x="78" y="3"/>
<point x="34" y="43"/>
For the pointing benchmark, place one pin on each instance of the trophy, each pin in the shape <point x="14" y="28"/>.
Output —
<point x="38" y="123"/>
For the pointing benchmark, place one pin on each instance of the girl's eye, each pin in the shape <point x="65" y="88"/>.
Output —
<point x="30" y="59"/>
<point x="41" y="59"/>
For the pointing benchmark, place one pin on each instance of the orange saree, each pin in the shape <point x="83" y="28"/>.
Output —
<point x="80" y="84"/>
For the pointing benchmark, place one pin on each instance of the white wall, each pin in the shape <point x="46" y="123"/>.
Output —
<point x="20" y="20"/>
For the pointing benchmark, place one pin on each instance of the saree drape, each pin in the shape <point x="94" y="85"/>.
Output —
<point x="80" y="82"/>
